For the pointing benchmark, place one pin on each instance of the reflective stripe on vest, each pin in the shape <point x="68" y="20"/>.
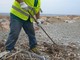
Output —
<point x="32" y="9"/>
<point x="23" y="11"/>
<point x="20" y="11"/>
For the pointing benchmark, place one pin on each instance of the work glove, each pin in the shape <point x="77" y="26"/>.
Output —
<point x="40" y="21"/>
<point x="24" y="5"/>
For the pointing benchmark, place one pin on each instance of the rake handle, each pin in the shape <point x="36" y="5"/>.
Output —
<point x="42" y="28"/>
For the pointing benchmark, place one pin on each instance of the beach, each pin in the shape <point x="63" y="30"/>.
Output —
<point x="64" y="31"/>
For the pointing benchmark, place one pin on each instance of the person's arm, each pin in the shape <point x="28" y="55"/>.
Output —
<point x="19" y="1"/>
<point x="39" y="20"/>
<point x="37" y="15"/>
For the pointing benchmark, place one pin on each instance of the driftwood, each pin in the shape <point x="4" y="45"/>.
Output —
<point x="13" y="54"/>
<point x="30" y="54"/>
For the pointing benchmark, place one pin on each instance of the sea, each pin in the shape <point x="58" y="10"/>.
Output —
<point x="8" y="14"/>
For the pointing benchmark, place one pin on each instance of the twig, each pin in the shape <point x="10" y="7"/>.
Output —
<point x="14" y="54"/>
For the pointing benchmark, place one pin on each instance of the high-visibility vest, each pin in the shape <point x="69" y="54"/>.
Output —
<point x="23" y="14"/>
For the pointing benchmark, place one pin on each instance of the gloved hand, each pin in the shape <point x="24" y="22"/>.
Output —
<point x="24" y="5"/>
<point x="40" y="21"/>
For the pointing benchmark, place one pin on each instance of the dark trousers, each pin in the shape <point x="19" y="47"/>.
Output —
<point x="15" y="27"/>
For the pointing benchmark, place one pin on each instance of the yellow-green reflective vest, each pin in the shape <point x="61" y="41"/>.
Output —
<point x="19" y="12"/>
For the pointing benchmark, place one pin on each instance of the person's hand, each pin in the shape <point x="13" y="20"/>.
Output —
<point x="40" y="21"/>
<point x="24" y="5"/>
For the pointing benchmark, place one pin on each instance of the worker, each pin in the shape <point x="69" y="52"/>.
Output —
<point x="20" y="18"/>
